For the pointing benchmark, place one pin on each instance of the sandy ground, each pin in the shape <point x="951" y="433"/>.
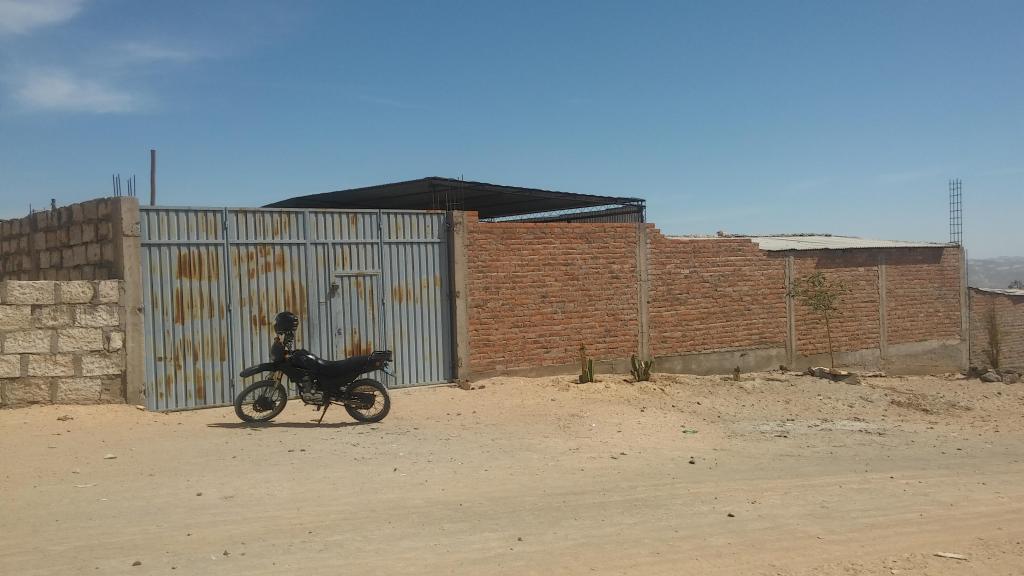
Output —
<point x="779" y="474"/>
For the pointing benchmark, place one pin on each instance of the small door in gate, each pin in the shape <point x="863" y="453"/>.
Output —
<point x="356" y="320"/>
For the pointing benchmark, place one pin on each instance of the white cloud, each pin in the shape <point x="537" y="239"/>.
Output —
<point x="23" y="16"/>
<point x="61" y="91"/>
<point x="149" y="52"/>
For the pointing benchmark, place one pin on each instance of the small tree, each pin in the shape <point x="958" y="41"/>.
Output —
<point x="823" y="296"/>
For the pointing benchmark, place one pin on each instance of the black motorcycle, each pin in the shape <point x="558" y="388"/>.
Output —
<point x="319" y="382"/>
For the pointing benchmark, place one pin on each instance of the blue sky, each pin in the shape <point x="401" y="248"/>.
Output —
<point x="748" y="117"/>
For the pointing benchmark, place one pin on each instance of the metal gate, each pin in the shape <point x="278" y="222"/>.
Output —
<point x="213" y="279"/>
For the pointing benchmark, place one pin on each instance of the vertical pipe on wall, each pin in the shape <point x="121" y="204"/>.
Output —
<point x="229" y="305"/>
<point x="312" y="321"/>
<point x="152" y="177"/>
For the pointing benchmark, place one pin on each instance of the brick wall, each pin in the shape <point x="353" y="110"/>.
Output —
<point x="61" y="342"/>
<point x="538" y="291"/>
<point x="713" y="294"/>
<point x="923" y="294"/>
<point x="857" y="325"/>
<point x="1008" y="314"/>
<point x="78" y="242"/>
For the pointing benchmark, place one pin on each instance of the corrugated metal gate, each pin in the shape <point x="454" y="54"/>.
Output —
<point x="213" y="279"/>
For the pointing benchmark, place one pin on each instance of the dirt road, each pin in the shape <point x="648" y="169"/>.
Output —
<point x="774" y="475"/>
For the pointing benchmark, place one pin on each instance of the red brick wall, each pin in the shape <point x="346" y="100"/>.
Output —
<point x="1009" y="317"/>
<point x="538" y="291"/>
<point x="710" y="294"/>
<point x="856" y="326"/>
<point x="923" y="294"/>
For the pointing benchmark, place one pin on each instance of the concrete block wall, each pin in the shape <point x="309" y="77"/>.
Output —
<point x="62" y="342"/>
<point x="1007" y="311"/>
<point x="90" y="241"/>
<point x="77" y="242"/>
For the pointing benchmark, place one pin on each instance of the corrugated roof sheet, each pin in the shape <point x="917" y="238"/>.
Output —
<point x="1003" y="291"/>
<point x="434" y="193"/>
<point x="825" y="242"/>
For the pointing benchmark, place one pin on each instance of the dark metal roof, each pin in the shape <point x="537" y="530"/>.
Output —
<point x="434" y="193"/>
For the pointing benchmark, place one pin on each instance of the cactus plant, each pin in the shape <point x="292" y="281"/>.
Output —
<point x="586" y="366"/>
<point x="641" y="369"/>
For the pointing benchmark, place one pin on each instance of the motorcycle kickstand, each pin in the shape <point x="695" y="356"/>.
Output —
<point x="323" y="412"/>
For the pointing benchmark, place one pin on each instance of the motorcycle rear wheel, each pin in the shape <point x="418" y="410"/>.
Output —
<point x="366" y="412"/>
<point x="261" y="401"/>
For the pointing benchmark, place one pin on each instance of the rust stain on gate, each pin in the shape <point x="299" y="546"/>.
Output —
<point x="197" y="265"/>
<point x="179" y="307"/>
<point x="218" y="276"/>
<point x="280" y="225"/>
<point x="295" y="297"/>
<point x="259" y="260"/>
<point x="187" y="306"/>
<point x="200" y="384"/>
<point x="356" y="346"/>
<point x="401" y="294"/>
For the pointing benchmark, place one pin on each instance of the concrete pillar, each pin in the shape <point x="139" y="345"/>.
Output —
<point x="643" y="292"/>
<point x="965" y="313"/>
<point x="790" y="313"/>
<point x="128" y="267"/>
<point x="458" y="258"/>
<point x="883" y="311"/>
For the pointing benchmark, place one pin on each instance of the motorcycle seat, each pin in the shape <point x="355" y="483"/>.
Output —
<point x="346" y="367"/>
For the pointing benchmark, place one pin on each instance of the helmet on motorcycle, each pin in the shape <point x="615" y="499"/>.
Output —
<point x="286" y="322"/>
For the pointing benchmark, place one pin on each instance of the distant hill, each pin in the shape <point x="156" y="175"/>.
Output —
<point x="995" y="272"/>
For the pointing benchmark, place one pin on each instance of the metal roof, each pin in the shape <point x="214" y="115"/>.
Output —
<point x="435" y="193"/>
<point x="826" y="242"/>
<point x="1002" y="291"/>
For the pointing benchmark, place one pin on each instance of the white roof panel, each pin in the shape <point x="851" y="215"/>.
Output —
<point x="824" y="242"/>
<point x="1003" y="291"/>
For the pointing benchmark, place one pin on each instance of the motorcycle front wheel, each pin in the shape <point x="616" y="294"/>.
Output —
<point x="261" y="401"/>
<point x="367" y="400"/>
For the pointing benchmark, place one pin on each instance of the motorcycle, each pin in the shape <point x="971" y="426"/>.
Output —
<point x="319" y="382"/>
